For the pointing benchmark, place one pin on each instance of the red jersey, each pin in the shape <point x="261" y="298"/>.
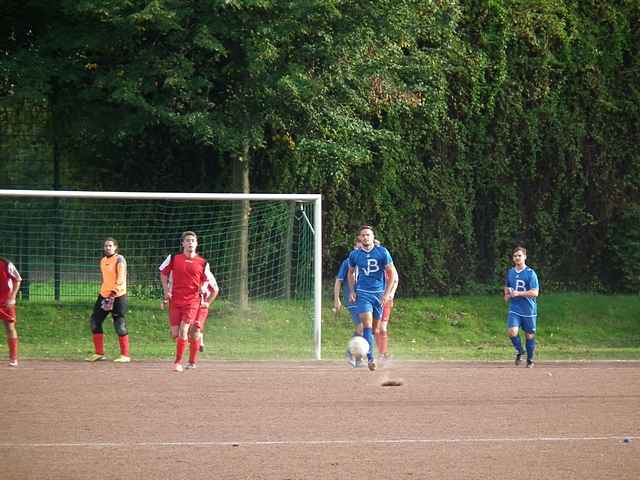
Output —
<point x="8" y="275"/>
<point x="187" y="277"/>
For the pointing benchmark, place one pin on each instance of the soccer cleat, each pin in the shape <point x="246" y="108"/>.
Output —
<point x="530" y="364"/>
<point x="13" y="363"/>
<point x="518" y="358"/>
<point x="372" y="365"/>
<point x="191" y="366"/>
<point x="96" y="357"/>
<point x="122" y="359"/>
<point x="177" y="367"/>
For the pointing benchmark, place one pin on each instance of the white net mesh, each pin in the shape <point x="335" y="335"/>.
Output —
<point x="56" y="243"/>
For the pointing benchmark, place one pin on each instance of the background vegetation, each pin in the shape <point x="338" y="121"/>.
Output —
<point x="458" y="128"/>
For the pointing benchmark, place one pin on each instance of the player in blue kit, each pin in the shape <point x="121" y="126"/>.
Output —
<point x="521" y="289"/>
<point x="370" y="291"/>
<point x="342" y="279"/>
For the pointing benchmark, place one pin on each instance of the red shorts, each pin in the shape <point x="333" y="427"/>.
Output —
<point x="183" y="314"/>
<point x="8" y="314"/>
<point x="386" y="311"/>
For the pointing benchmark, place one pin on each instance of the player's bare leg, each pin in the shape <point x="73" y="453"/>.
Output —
<point x="181" y="344"/>
<point x="382" y="339"/>
<point x="194" y="345"/>
<point x="12" y="342"/>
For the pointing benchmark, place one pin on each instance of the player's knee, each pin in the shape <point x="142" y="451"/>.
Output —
<point x="121" y="326"/>
<point x="183" y="331"/>
<point x="11" y="330"/>
<point x="96" y="325"/>
<point x="530" y="335"/>
<point x="512" y="332"/>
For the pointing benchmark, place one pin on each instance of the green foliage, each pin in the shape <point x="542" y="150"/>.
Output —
<point x="457" y="128"/>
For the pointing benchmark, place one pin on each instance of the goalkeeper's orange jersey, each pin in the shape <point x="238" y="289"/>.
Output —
<point x="114" y="276"/>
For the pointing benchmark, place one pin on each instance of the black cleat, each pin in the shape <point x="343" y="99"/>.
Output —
<point x="518" y="358"/>
<point x="530" y="363"/>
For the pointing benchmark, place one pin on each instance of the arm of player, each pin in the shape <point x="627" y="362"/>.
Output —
<point x="337" y="286"/>
<point x="506" y="292"/>
<point x="165" y="271"/>
<point x="15" y="287"/>
<point x="527" y="293"/>
<point x="14" y="293"/>
<point x="164" y="279"/>
<point x="121" y="277"/>
<point x="210" y="289"/>
<point x="351" y="276"/>
<point x="393" y="278"/>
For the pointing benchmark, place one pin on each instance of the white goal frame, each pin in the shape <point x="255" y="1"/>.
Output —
<point x="317" y="226"/>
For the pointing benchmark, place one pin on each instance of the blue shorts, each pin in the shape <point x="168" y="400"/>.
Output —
<point x="528" y="324"/>
<point x="355" y="318"/>
<point x="368" y="302"/>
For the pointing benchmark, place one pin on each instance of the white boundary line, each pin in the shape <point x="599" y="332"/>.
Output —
<point x="405" y="441"/>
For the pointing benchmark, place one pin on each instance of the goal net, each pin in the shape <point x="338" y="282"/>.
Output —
<point x="264" y="251"/>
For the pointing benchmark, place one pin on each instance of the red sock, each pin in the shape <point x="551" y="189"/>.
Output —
<point x="98" y="343"/>
<point x="13" y="348"/>
<point x="194" y="348"/>
<point x="180" y="346"/>
<point x="124" y="345"/>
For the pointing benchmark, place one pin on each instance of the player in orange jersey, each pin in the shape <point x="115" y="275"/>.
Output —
<point x="10" y="281"/>
<point x="189" y="272"/>
<point x="380" y="328"/>
<point x="111" y="299"/>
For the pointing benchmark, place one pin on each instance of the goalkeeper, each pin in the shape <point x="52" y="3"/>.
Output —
<point x="111" y="299"/>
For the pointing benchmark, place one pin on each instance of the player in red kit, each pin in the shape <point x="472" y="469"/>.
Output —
<point x="10" y="281"/>
<point x="189" y="273"/>
<point x="209" y="293"/>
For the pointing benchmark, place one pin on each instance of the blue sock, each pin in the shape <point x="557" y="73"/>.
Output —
<point x="517" y="343"/>
<point x="368" y="336"/>
<point x="531" y="348"/>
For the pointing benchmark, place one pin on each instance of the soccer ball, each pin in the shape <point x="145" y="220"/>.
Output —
<point x="358" y="347"/>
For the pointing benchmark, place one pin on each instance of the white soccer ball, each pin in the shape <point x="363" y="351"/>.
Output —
<point x="358" y="347"/>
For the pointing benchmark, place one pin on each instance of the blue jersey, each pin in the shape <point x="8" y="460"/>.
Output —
<point x="371" y="266"/>
<point x="522" y="281"/>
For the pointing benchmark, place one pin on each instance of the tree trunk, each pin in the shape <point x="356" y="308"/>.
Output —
<point x="241" y="180"/>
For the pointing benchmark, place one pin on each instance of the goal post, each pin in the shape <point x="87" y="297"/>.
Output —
<point x="55" y="239"/>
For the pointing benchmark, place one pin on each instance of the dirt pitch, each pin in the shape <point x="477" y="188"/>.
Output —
<point x="320" y="420"/>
